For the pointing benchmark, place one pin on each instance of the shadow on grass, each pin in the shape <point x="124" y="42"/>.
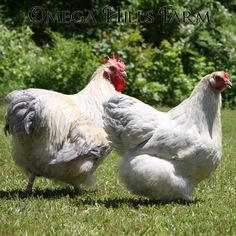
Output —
<point x="82" y="200"/>
<point x="131" y="202"/>
<point x="41" y="193"/>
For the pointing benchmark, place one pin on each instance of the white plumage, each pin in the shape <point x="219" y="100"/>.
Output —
<point x="165" y="155"/>
<point x="61" y="136"/>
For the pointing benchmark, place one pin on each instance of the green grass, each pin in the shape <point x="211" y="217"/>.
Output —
<point x="109" y="209"/>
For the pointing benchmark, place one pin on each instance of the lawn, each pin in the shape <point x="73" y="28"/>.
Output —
<point x="109" y="209"/>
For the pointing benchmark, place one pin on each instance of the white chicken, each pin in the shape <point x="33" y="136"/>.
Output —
<point x="165" y="155"/>
<point x="60" y="136"/>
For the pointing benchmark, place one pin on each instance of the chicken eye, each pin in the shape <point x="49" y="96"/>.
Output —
<point x="217" y="78"/>
<point x="112" y="68"/>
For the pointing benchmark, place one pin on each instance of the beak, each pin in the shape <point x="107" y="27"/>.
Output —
<point x="229" y="84"/>
<point x="124" y="74"/>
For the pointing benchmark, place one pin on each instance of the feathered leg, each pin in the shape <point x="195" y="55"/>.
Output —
<point x="28" y="190"/>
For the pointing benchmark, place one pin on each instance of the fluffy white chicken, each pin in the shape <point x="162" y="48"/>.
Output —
<point x="165" y="155"/>
<point x="60" y="136"/>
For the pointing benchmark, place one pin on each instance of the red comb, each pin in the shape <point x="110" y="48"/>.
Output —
<point x="226" y="75"/>
<point x="113" y="56"/>
<point x="115" y="60"/>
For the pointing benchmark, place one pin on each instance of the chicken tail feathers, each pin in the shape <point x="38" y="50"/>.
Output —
<point x="22" y="116"/>
<point x="119" y="123"/>
<point x="125" y="125"/>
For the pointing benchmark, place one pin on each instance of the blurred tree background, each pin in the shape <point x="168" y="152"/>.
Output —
<point x="167" y="45"/>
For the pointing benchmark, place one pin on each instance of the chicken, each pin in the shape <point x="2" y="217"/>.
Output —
<point x="166" y="154"/>
<point x="60" y="136"/>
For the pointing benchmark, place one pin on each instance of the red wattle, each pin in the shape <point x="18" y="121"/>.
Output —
<point x="119" y="84"/>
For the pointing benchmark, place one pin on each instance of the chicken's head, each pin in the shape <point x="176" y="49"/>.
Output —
<point x="115" y="72"/>
<point x="219" y="80"/>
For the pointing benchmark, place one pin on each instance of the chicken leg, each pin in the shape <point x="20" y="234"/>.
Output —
<point x="28" y="190"/>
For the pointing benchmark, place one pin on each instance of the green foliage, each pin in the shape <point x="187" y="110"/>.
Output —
<point x="212" y="44"/>
<point x="17" y="50"/>
<point x="66" y="67"/>
<point x="168" y="69"/>
<point x="154" y="75"/>
<point x="164" y="60"/>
